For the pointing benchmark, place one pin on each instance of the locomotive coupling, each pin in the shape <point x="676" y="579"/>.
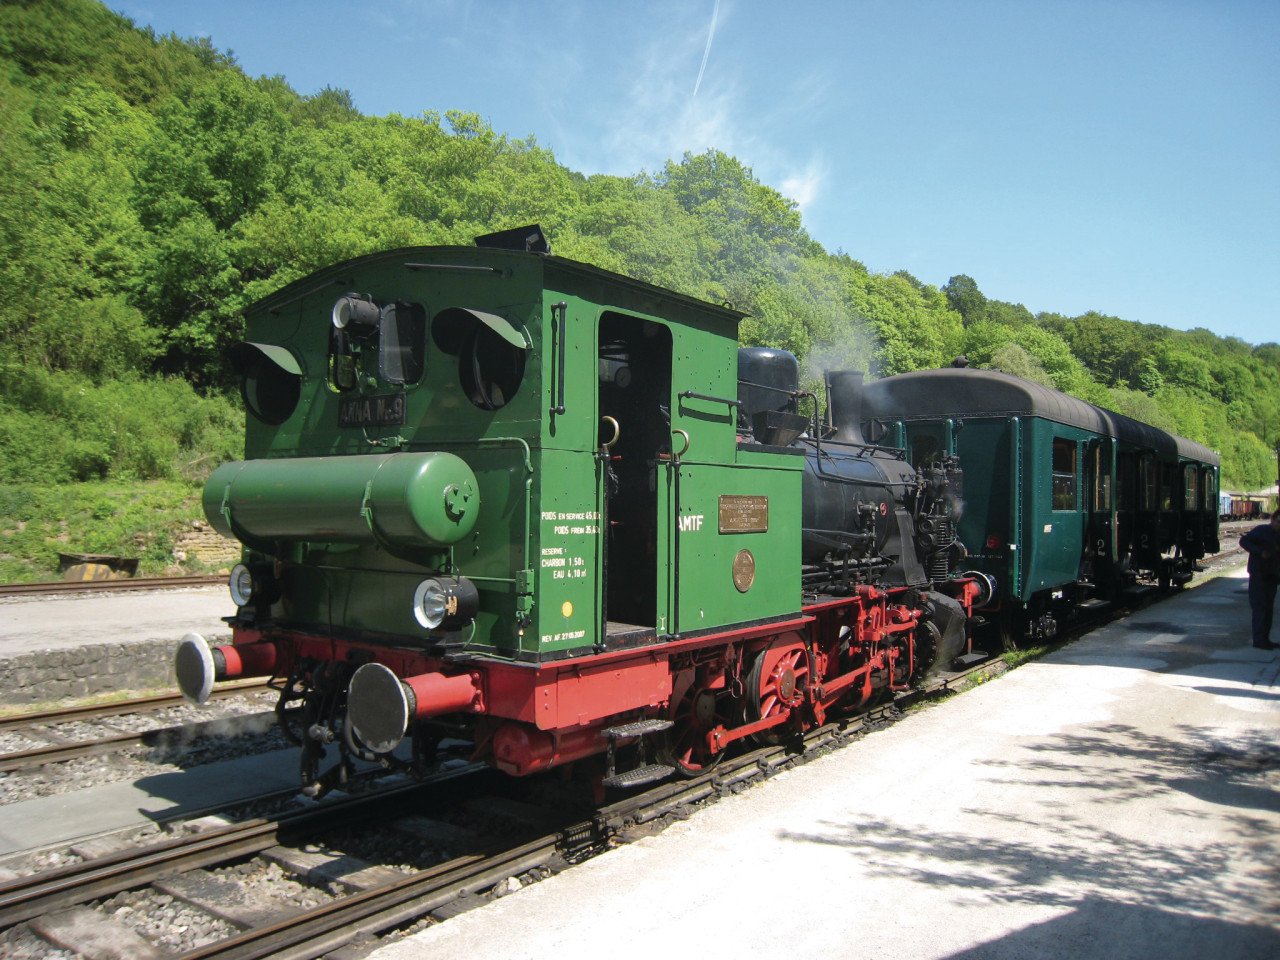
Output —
<point x="198" y="666"/>
<point x="380" y="705"/>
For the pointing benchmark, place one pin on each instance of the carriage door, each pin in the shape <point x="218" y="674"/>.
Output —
<point x="1126" y="497"/>
<point x="635" y="420"/>
<point x="1102" y="520"/>
<point x="1209" y="509"/>
<point x="1147" y="547"/>
<point x="1191" y="532"/>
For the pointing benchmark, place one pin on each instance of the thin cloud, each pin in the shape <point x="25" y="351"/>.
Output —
<point x="657" y="119"/>
<point x="707" y="52"/>
<point x="804" y="188"/>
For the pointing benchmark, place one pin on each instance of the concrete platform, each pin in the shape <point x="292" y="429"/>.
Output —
<point x="34" y="624"/>
<point x="52" y="821"/>
<point x="1119" y="798"/>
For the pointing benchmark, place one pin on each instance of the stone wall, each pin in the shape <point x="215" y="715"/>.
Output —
<point x="79" y="672"/>
<point x="205" y="544"/>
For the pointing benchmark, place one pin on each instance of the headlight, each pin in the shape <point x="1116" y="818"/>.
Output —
<point x="445" y="603"/>
<point x="241" y="584"/>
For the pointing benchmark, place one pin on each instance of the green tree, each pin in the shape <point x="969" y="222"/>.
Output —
<point x="913" y="327"/>
<point x="1014" y="360"/>
<point x="966" y="299"/>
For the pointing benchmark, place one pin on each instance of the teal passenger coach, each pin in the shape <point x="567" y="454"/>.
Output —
<point x="1067" y="506"/>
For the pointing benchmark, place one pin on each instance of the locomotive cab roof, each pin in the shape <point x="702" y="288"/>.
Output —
<point x="503" y="259"/>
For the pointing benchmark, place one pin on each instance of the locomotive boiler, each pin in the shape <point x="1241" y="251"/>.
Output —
<point x="500" y="498"/>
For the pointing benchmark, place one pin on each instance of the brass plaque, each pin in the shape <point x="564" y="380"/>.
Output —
<point x="744" y="514"/>
<point x="744" y="570"/>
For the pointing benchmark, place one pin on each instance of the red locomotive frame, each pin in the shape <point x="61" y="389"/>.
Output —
<point x="765" y="682"/>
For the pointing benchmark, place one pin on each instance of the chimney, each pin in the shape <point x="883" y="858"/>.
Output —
<point x="844" y="405"/>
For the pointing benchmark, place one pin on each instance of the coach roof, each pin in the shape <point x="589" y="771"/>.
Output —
<point x="959" y="393"/>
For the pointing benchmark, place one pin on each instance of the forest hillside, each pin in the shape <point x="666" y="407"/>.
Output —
<point x="150" y="190"/>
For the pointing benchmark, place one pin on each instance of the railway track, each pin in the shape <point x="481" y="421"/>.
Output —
<point x="60" y="587"/>
<point x="99" y="711"/>
<point x="57" y="748"/>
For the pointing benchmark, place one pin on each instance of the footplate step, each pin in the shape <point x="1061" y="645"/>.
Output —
<point x="639" y="776"/>
<point x="638" y="729"/>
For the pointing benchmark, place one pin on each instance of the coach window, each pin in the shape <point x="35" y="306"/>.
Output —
<point x="1064" y="474"/>
<point x="1168" y="476"/>
<point x="1101" y="481"/>
<point x="1126" y="482"/>
<point x="1190" y="487"/>
<point x="1148" y="483"/>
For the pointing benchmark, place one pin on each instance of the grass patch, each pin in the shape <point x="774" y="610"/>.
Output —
<point x="140" y="521"/>
<point x="97" y="699"/>
<point x="1016" y="658"/>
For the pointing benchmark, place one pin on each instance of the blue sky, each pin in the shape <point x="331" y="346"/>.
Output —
<point x="1111" y="155"/>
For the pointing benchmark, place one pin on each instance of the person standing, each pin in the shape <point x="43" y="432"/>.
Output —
<point x="1262" y="543"/>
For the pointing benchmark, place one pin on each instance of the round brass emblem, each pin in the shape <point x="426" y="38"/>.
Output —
<point x="744" y="570"/>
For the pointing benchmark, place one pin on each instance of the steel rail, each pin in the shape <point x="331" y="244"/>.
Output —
<point x="97" y="711"/>
<point x="75" y="883"/>
<point x="52" y="587"/>
<point x="105" y="876"/>
<point x="62" y="752"/>
<point x="337" y="923"/>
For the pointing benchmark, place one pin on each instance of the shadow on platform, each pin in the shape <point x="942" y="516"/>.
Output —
<point x="1104" y="929"/>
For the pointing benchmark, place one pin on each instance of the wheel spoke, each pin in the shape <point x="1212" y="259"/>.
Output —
<point x="776" y="686"/>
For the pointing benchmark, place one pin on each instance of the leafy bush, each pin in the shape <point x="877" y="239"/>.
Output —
<point x="59" y="426"/>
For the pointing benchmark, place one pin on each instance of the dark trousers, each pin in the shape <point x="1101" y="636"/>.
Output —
<point x="1262" y="599"/>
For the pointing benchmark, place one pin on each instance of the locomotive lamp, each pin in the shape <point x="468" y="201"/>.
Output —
<point x="241" y="585"/>
<point x="356" y="316"/>
<point x="445" y="603"/>
<point x="253" y="584"/>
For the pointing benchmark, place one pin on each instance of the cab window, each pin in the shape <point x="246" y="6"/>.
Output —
<point x="925" y="449"/>
<point x="367" y="339"/>
<point x="403" y="342"/>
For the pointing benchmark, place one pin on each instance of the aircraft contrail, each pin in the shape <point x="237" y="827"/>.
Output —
<point x="706" y="53"/>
